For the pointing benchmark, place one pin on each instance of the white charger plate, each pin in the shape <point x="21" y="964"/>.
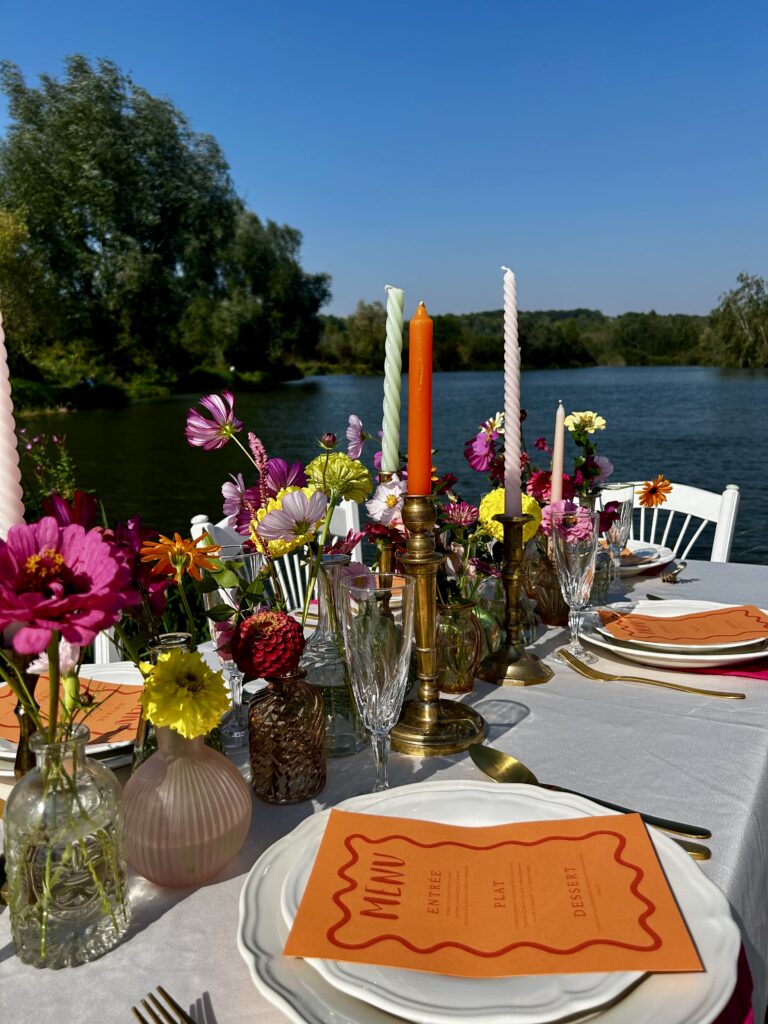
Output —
<point x="656" y="553"/>
<point x="123" y="673"/>
<point x="682" y="659"/>
<point x="307" y="997"/>
<point x="668" y="609"/>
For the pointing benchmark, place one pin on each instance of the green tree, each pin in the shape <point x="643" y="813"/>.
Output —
<point x="740" y="324"/>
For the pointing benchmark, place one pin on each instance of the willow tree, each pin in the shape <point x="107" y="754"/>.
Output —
<point x="740" y="324"/>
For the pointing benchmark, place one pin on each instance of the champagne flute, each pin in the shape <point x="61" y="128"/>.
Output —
<point x="239" y="570"/>
<point x="617" y="534"/>
<point x="574" y="543"/>
<point x="376" y="613"/>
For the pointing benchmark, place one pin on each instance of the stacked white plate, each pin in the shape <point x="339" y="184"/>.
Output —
<point x="333" y="992"/>
<point x="666" y="655"/>
<point x="114" y="755"/>
<point x="653" y="557"/>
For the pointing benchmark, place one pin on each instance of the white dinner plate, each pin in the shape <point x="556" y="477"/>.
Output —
<point x="669" y="609"/>
<point x="657" y="556"/>
<point x="307" y="998"/>
<point x="124" y="673"/>
<point x="643" y="654"/>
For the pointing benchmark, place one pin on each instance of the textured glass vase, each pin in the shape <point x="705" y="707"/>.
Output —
<point x="459" y="641"/>
<point x="327" y="671"/>
<point x="64" y="857"/>
<point x="187" y="812"/>
<point x="286" y="727"/>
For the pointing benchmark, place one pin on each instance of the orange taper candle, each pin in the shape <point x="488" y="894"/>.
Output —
<point x="420" y="403"/>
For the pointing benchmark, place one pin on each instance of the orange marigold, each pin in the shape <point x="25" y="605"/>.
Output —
<point x="654" y="492"/>
<point x="180" y="555"/>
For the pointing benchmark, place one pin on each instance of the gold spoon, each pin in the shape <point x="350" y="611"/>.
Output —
<point x="605" y="677"/>
<point x="503" y="767"/>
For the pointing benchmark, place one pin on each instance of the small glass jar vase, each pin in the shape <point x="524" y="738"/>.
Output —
<point x="541" y="584"/>
<point x="327" y="671"/>
<point x="459" y="642"/>
<point x="64" y="856"/>
<point x="286" y="727"/>
<point x="187" y="812"/>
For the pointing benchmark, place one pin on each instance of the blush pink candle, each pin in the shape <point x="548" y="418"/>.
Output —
<point x="513" y="501"/>
<point x="11" y="495"/>
<point x="558" y="445"/>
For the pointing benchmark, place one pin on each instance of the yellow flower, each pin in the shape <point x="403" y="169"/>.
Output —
<point x="181" y="692"/>
<point x="492" y="504"/>
<point x="340" y="477"/>
<point x="584" y="422"/>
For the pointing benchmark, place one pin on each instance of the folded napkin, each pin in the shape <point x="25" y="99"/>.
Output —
<point x="710" y="628"/>
<point x="739" y="1007"/>
<point x="629" y="557"/>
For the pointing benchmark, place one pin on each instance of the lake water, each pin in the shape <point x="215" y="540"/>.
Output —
<point x="697" y="425"/>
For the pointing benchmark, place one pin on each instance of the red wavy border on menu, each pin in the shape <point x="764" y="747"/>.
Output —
<point x="622" y="842"/>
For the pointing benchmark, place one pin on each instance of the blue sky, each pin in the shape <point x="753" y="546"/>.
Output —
<point x="614" y="154"/>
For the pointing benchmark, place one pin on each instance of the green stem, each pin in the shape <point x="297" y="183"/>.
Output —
<point x="243" y="449"/>
<point x="187" y="611"/>
<point x="53" y="681"/>
<point x="315" y="563"/>
<point x="21" y="691"/>
<point x="127" y="643"/>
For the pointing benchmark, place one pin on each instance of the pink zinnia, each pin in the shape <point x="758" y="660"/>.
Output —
<point x="60" y="579"/>
<point x="213" y="433"/>
<point x="578" y="526"/>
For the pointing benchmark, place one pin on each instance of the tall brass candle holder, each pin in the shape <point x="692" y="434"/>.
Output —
<point x="429" y="725"/>
<point x="512" y="665"/>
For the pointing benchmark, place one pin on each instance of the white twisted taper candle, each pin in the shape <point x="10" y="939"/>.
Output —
<point x="11" y="503"/>
<point x="393" y="364"/>
<point x="513" y="502"/>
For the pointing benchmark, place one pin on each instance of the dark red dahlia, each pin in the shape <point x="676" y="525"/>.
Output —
<point x="267" y="644"/>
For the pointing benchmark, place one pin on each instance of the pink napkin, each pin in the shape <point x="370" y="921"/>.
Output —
<point x="739" y="1007"/>
<point x="750" y="669"/>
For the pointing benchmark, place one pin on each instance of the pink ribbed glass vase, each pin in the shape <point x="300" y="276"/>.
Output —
<point x="187" y="812"/>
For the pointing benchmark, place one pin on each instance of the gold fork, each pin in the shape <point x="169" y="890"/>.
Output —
<point x="593" y="673"/>
<point x="152" y="1004"/>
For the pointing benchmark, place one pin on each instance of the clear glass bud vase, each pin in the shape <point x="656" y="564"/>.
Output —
<point x="326" y="669"/>
<point x="187" y="812"/>
<point x="64" y="856"/>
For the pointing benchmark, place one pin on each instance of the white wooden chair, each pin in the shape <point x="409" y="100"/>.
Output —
<point x="684" y="516"/>
<point x="293" y="576"/>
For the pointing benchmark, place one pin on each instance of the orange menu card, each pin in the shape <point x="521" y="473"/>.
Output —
<point x="721" y="625"/>
<point x="543" y="897"/>
<point x="114" y="720"/>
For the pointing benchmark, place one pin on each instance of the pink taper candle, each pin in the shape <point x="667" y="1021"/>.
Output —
<point x="557" y="455"/>
<point x="11" y="504"/>
<point x="513" y="502"/>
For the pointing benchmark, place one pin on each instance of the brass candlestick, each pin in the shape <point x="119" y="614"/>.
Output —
<point x="427" y="724"/>
<point x="512" y="665"/>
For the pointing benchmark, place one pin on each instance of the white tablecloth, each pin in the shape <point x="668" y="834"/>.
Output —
<point x="693" y="758"/>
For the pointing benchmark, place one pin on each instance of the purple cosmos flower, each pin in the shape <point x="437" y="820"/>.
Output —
<point x="213" y="433"/>
<point x="60" y="579"/>
<point x="387" y="502"/>
<point x="478" y="452"/>
<point x="281" y="475"/>
<point x="605" y="466"/>
<point x="240" y="503"/>
<point x="461" y="513"/>
<point x="355" y="437"/>
<point x="377" y="460"/>
<point x="82" y="510"/>
<point x="299" y="517"/>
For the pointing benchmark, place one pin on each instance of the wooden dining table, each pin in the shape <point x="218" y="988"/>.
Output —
<point x="693" y="758"/>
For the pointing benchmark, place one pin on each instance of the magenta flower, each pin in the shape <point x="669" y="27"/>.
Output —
<point x="577" y="527"/>
<point x="299" y="517"/>
<point x="479" y="453"/>
<point x="541" y="444"/>
<point x="281" y="475"/>
<point x="344" y="546"/>
<point x="240" y="503"/>
<point x="60" y="579"/>
<point x="539" y="486"/>
<point x="82" y="510"/>
<point x="131" y="537"/>
<point x="213" y="433"/>
<point x="461" y="513"/>
<point x="605" y="466"/>
<point x="355" y="437"/>
<point x="377" y="457"/>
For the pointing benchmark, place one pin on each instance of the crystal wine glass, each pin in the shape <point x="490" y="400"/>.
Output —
<point x="617" y="534"/>
<point x="574" y="543"/>
<point x="239" y="570"/>
<point x="376" y="613"/>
